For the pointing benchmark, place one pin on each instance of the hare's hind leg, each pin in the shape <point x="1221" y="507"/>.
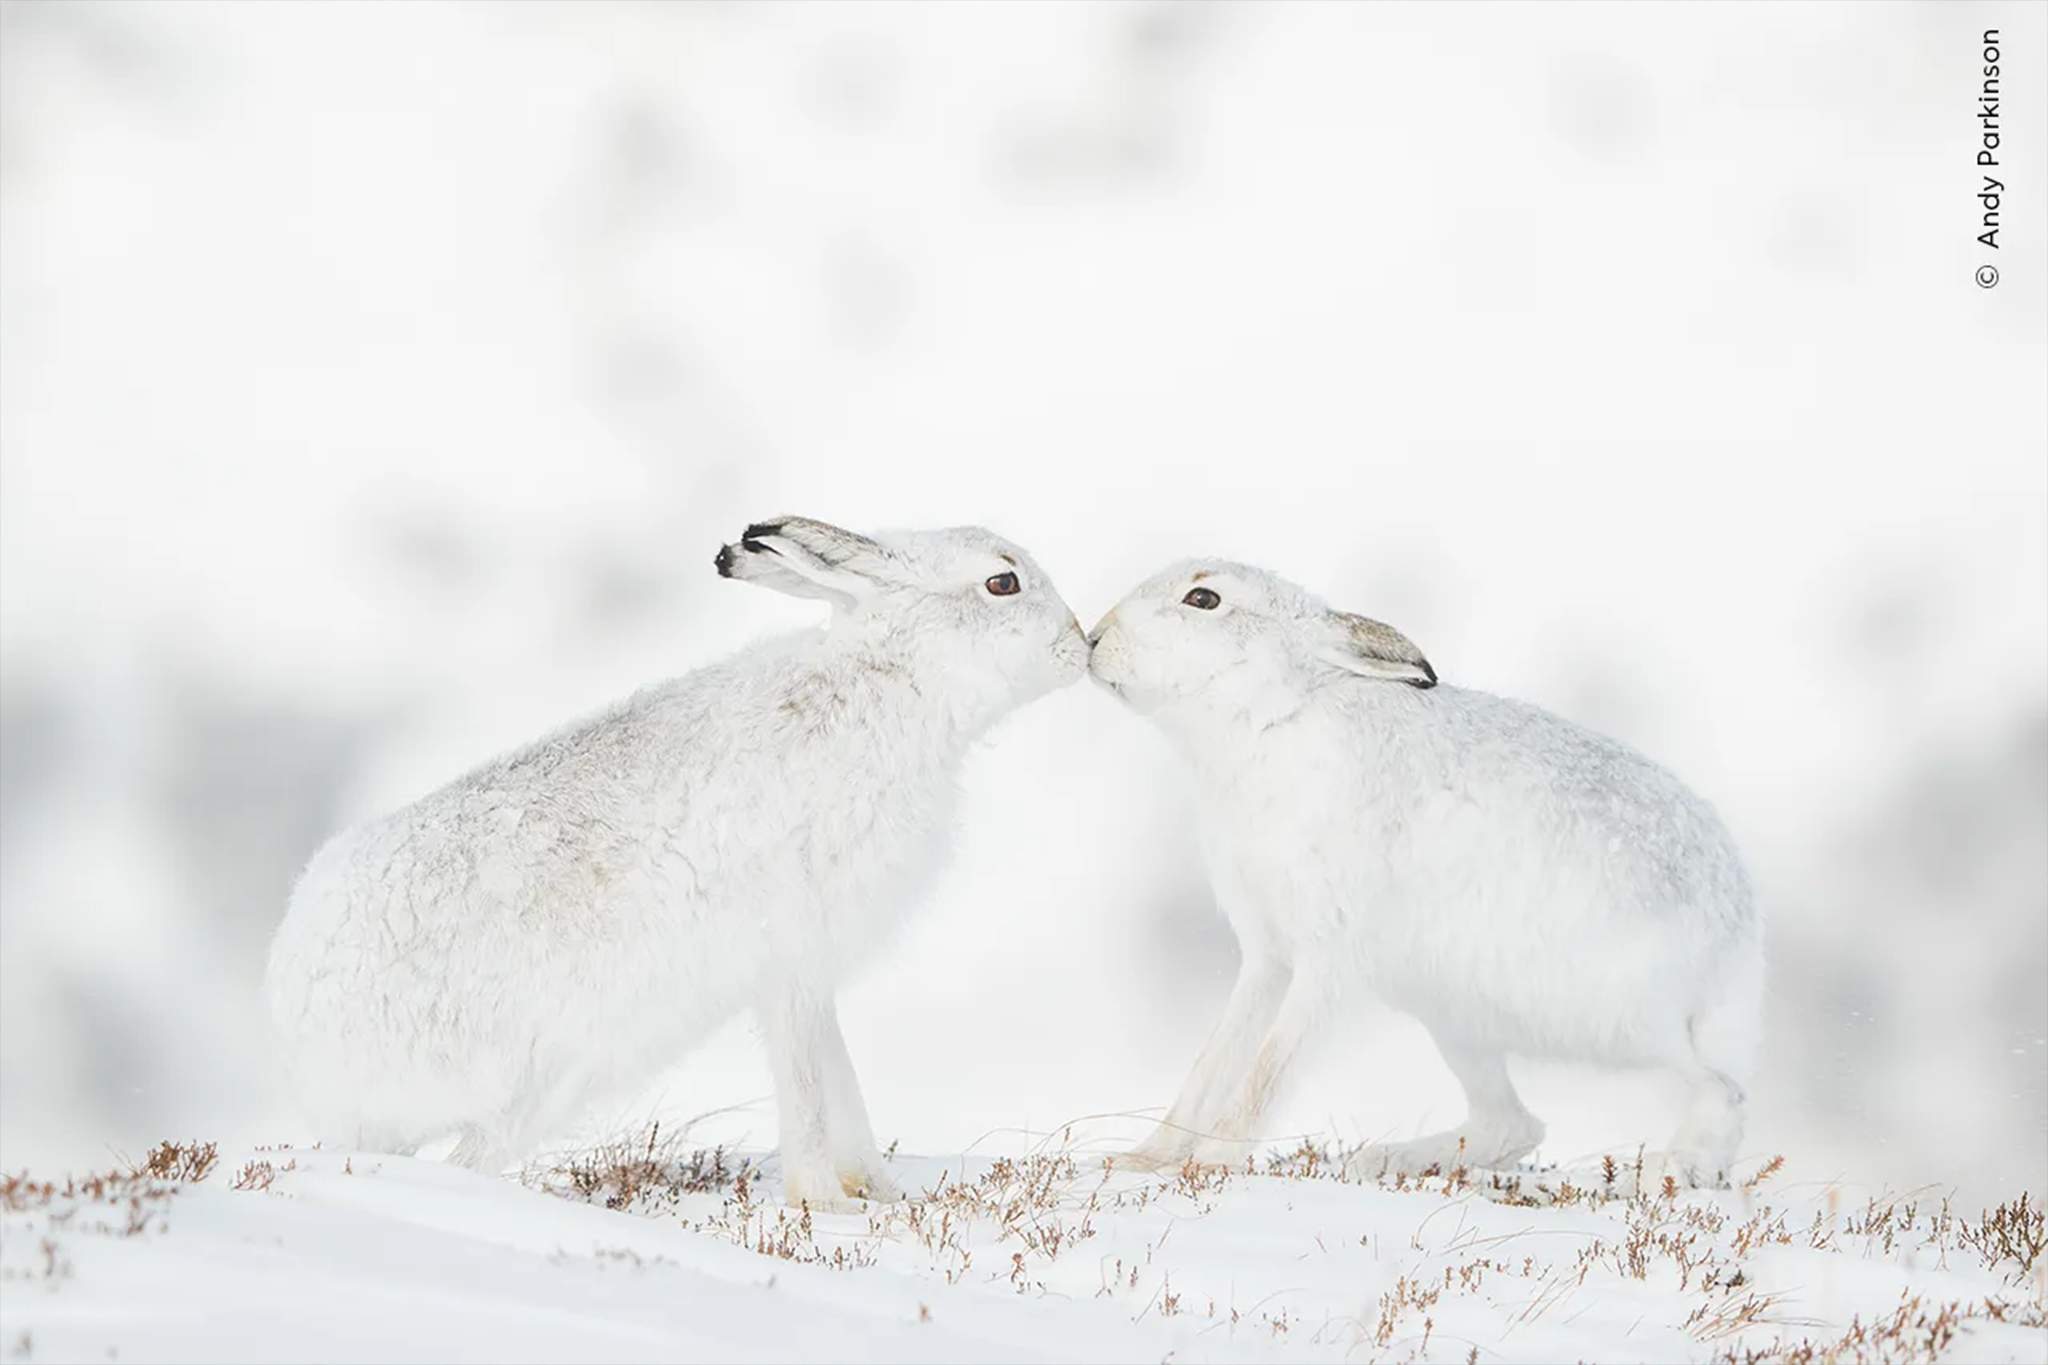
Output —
<point x="1717" y="1057"/>
<point x="1219" y="1072"/>
<point x="1498" y="1129"/>
<point x="1703" y="1152"/>
<point x="480" y="1151"/>
<point x="1722" y="1050"/>
<point x="543" y="1105"/>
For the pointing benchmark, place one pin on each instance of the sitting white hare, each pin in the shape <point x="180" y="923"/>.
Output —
<point x="1515" y="882"/>
<point x="559" y="925"/>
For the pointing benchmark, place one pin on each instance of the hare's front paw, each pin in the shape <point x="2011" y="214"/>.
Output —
<point x="1166" y="1148"/>
<point x="1168" y="1161"/>
<point x="818" y="1191"/>
<point x="1437" y="1154"/>
<point x="1490" y="1145"/>
<point x="867" y="1179"/>
<point x="1146" y="1159"/>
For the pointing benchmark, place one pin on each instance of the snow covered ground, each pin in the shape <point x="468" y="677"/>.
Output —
<point x="380" y="381"/>
<point x="647" y="1251"/>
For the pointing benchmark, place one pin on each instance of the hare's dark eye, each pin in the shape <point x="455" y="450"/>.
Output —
<point x="1203" y="599"/>
<point x="1003" y="585"/>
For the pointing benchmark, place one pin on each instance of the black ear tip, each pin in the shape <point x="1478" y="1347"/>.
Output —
<point x="758" y="530"/>
<point x="1428" y="678"/>
<point x="723" y="560"/>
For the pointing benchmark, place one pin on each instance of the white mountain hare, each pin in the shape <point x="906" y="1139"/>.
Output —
<point x="1515" y="882"/>
<point x="560" y="924"/>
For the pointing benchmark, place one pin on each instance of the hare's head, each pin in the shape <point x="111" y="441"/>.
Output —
<point x="970" y="607"/>
<point x="1208" y="637"/>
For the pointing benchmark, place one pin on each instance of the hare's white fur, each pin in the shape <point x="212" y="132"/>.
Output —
<point x="558" y="925"/>
<point x="1519" y="884"/>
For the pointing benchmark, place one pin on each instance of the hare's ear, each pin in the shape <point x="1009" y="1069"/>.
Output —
<point x="1373" y="649"/>
<point x="807" y="558"/>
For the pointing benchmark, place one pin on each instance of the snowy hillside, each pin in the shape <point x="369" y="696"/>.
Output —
<point x="648" y="1252"/>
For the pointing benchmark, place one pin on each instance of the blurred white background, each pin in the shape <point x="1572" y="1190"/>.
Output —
<point x="377" y="382"/>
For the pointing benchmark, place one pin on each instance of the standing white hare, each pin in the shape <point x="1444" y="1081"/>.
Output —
<point x="560" y="924"/>
<point x="1515" y="882"/>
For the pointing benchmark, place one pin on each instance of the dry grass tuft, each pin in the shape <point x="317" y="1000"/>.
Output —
<point x="644" y="1173"/>
<point x="259" y="1174"/>
<point x="186" y="1161"/>
<point x="2014" y="1233"/>
<point x="1914" y="1333"/>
